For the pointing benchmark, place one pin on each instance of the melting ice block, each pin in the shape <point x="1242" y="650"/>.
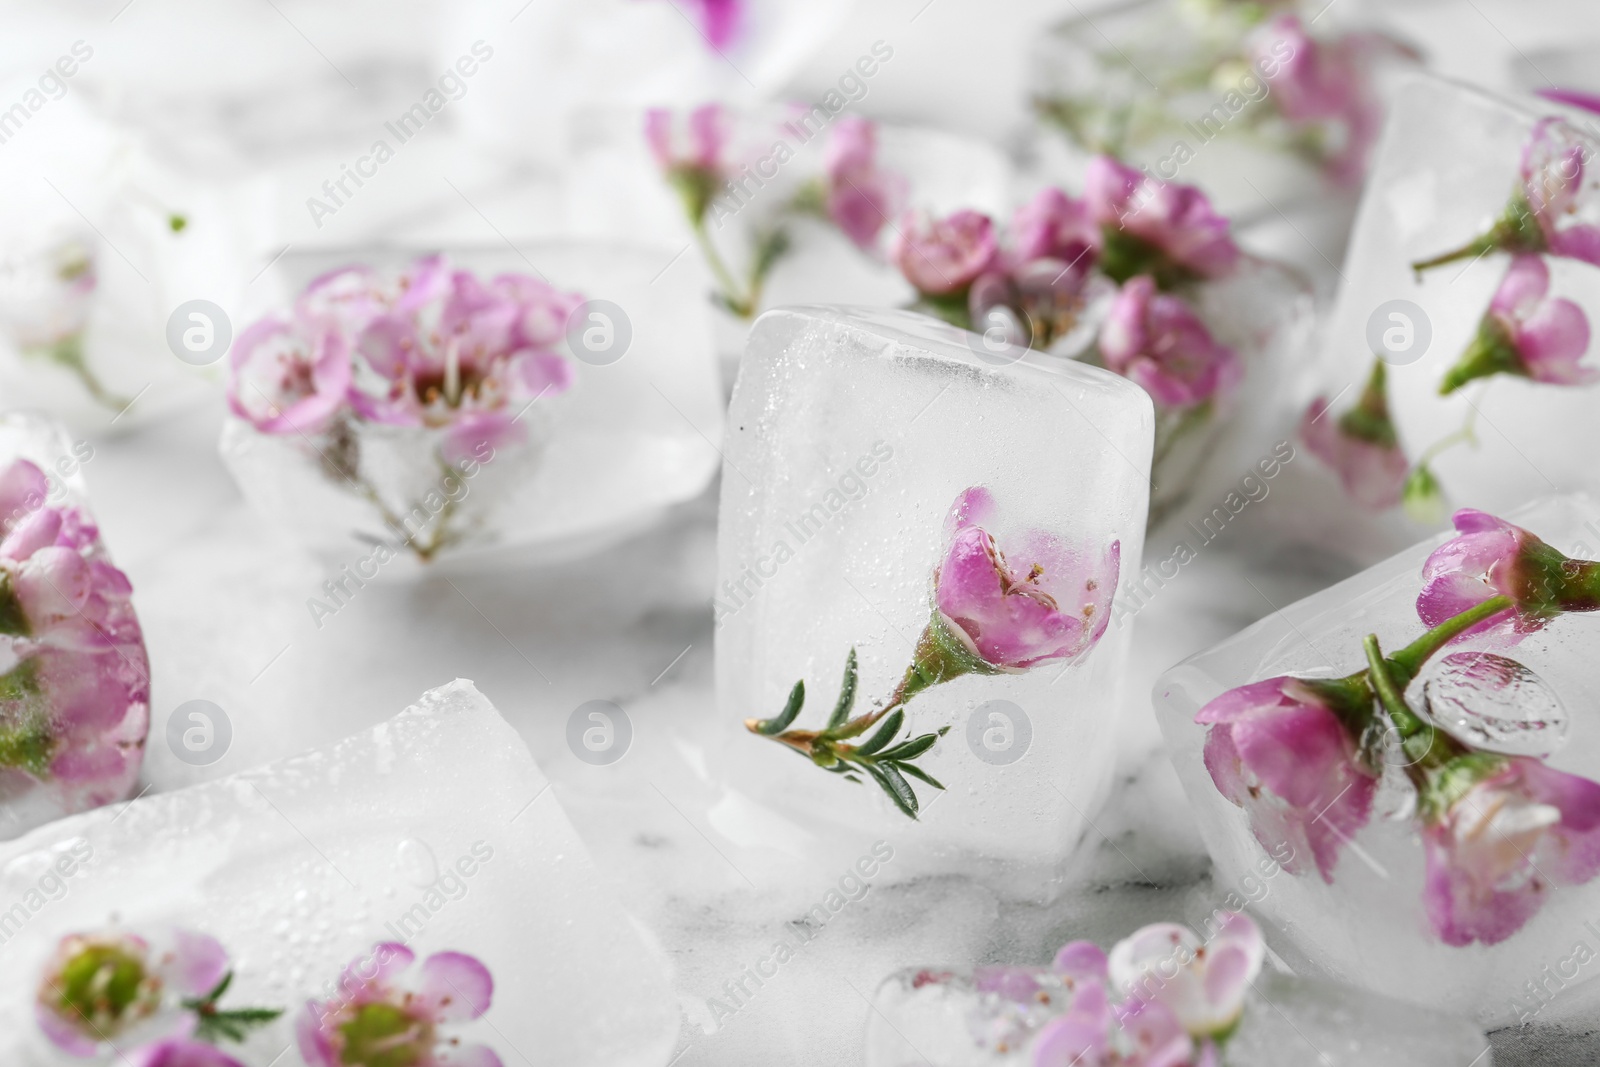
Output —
<point x="1451" y="164"/>
<point x="1477" y="893"/>
<point x="435" y="828"/>
<point x="929" y="1017"/>
<point x="961" y="525"/>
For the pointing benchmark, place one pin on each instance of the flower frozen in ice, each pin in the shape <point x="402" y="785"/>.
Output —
<point x="116" y="988"/>
<point x="46" y="292"/>
<point x="1501" y="832"/>
<point x="1490" y="557"/>
<point x="861" y="196"/>
<point x="1036" y="290"/>
<point x="1202" y="983"/>
<point x="77" y="696"/>
<point x="1361" y="445"/>
<point x="1164" y="229"/>
<point x="1280" y="749"/>
<point x="382" y="1016"/>
<point x="181" y="1052"/>
<point x="942" y="256"/>
<point x="691" y="152"/>
<point x="1157" y="341"/>
<point x="1055" y="226"/>
<point x="288" y="377"/>
<point x="1037" y="599"/>
<point x="1527" y="333"/>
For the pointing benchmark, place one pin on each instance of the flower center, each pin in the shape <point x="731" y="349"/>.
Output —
<point x="102" y="989"/>
<point x="384" y="1035"/>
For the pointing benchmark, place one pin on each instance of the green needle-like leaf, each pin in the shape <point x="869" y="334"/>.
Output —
<point x="847" y="693"/>
<point x="911" y="749"/>
<point x="791" y="711"/>
<point x="885" y="734"/>
<point x="898" y="788"/>
<point x="917" y="772"/>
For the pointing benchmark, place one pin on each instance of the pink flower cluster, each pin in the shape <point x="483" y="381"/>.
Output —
<point x="432" y="347"/>
<point x="79" y="690"/>
<point x="1162" y="998"/>
<point x="1149" y="237"/>
<point x="1500" y="832"/>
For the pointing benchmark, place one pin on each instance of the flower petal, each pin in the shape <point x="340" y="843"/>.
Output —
<point x="456" y="985"/>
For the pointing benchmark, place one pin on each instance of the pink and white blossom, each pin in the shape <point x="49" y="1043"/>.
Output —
<point x="861" y="196"/>
<point x="1554" y="170"/>
<point x="1362" y="446"/>
<point x="939" y="256"/>
<point x="288" y="377"/>
<point x="1527" y="333"/>
<point x="1201" y="982"/>
<point x="1150" y="226"/>
<point x="1157" y="341"/>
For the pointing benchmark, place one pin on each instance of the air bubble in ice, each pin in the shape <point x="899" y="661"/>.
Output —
<point x="1495" y="703"/>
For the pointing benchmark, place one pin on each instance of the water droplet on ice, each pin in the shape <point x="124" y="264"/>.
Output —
<point x="1495" y="703"/>
<point x="418" y="863"/>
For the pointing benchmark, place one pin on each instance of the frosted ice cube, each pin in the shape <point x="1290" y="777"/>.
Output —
<point x="852" y="434"/>
<point x="1447" y="167"/>
<point x="1369" y="926"/>
<point x="932" y="1017"/>
<point x="300" y="866"/>
<point x="636" y="432"/>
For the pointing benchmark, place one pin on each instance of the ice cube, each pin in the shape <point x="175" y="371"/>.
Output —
<point x="1448" y="167"/>
<point x="435" y="829"/>
<point x="867" y="451"/>
<point x="74" y="676"/>
<point x="991" y="1017"/>
<point x="636" y="431"/>
<point x="1373" y="891"/>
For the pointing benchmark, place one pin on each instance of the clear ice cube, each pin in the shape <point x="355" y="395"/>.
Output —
<point x="1369" y="926"/>
<point x="990" y="1017"/>
<point x="852" y="433"/>
<point x="301" y="866"/>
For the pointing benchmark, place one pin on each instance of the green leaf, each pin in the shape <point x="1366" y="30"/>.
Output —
<point x="847" y="693"/>
<point x="885" y="734"/>
<point x="917" y="772"/>
<point x="791" y="710"/>
<point x="911" y="749"/>
<point x="898" y="788"/>
<point x="233" y="1025"/>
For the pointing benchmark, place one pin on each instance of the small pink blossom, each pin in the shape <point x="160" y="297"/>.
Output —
<point x="721" y="21"/>
<point x="1156" y="340"/>
<point x="113" y="988"/>
<point x="1526" y="333"/>
<point x="1038" y="601"/>
<point x="181" y="1052"/>
<point x="288" y="377"/>
<point x="1202" y="983"/>
<point x="1149" y="226"/>
<point x="696" y="143"/>
<point x="861" y="196"/>
<point x="1497" y="851"/>
<point x="1053" y="226"/>
<point x="379" y="1007"/>
<point x="1553" y="171"/>
<point x="1361" y="446"/>
<point x="1278" y="749"/>
<point x="944" y="255"/>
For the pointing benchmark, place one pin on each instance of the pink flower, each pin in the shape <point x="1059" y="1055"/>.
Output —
<point x="1491" y="557"/>
<point x="1202" y="983"/>
<point x="1527" y="334"/>
<point x="720" y="20"/>
<point x="1053" y="226"/>
<point x="288" y="378"/>
<point x="1497" y="850"/>
<point x="79" y="686"/>
<point x="347" y="299"/>
<point x="860" y="196"/>
<point x="118" y="989"/>
<point x="1048" y="601"/>
<point x="692" y="154"/>
<point x="1553" y="172"/>
<point x="181" y="1052"/>
<point x="1155" y="340"/>
<point x="1361" y="446"/>
<point x="381" y="1012"/>
<point x="941" y="256"/>
<point x="1150" y="227"/>
<point x="1279" y="750"/>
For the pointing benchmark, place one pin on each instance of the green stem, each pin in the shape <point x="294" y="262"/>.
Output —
<point x="1410" y="659"/>
<point x="1467" y="434"/>
<point x="1388" y="693"/>
<point x="743" y="306"/>
<point x="1471" y="250"/>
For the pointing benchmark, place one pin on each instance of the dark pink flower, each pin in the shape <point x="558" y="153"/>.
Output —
<point x="942" y="256"/>
<point x="112" y="988"/>
<point x="379" y="1009"/>
<point x="861" y="196"/>
<point x="1498" y="848"/>
<point x="1527" y="334"/>
<point x="1553" y="173"/>
<point x="1037" y="601"/>
<point x="1157" y="341"/>
<point x="1361" y="446"/>
<point x="288" y="377"/>
<point x="1491" y="557"/>
<point x="1053" y="226"/>
<point x="181" y="1052"/>
<point x="1167" y="230"/>
<point x="1279" y="749"/>
<point x="78" y="694"/>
